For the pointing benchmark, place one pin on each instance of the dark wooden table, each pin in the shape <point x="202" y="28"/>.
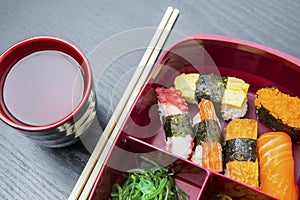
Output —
<point x="29" y="171"/>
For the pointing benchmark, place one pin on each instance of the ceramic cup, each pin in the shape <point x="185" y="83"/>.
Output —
<point x="47" y="91"/>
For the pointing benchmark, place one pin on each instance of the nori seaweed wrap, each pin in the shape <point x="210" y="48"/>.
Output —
<point x="241" y="149"/>
<point x="176" y="125"/>
<point x="208" y="130"/>
<point x="211" y="87"/>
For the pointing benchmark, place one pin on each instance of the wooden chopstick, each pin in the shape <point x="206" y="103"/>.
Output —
<point x="89" y="185"/>
<point x="88" y="176"/>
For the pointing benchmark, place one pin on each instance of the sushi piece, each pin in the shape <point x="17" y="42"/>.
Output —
<point x="211" y="87"/>
<point x="240" y="151"/>
<point x="234" y="100"/>
<point x="276" y="164"/>
<point x="208" y="138"/>
<point x="196" y="86"/>
<point x="228" y="93"/>
<point x="279" y="111"/>
<point x="176" y="121"/>
<point x="186" y="83"/>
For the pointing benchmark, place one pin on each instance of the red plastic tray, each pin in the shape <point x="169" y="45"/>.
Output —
<point x="142" y="132"/>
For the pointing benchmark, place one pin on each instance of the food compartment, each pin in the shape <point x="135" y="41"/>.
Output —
<point x="143" y="133"/>
<point x="130" y="153"/>
<point x="219" y="186"/>
<point x="255" y="64"/>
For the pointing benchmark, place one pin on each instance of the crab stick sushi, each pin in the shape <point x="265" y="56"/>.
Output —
<point x="276" y="164"/>
<point x="279" y="111"/>
<point x="240" y="151"/>
<point x="208" y="138"/>
<point x="176" y="121"/>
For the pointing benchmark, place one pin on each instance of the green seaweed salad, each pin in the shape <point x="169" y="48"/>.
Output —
<point x="155" y="183"/>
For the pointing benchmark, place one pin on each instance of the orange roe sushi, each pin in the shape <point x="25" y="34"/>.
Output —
<point x="240" y="151"/>
<point x="279" y="111"/>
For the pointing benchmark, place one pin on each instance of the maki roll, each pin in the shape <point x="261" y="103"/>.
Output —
<point x="208" y="138"/>
<point x="276" y="162"/>
<point x="228" y="93"/>
<point x="240" y="151"/>
<point x="176" y="121"/>
<point x="279" y="111"/>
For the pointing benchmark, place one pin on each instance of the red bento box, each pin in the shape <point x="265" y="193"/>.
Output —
<point x="143" y="134"/>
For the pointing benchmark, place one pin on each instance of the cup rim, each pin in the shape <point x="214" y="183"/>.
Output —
<point x="87" y="83"/>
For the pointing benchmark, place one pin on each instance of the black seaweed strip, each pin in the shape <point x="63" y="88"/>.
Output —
<point x="241" y="149"/>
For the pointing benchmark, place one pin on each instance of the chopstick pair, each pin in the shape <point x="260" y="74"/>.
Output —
<point x="89" y="174"/>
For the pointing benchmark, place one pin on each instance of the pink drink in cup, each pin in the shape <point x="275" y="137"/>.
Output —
<point x="46" y="90"/>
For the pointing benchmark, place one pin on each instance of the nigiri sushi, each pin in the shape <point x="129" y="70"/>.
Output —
<point x="196" y="86"/>
<point x="279" y="111"/>
<point x="240" y="151"/>
<point x="229" y="93"/>
<point x="176" y="121"/>
<point x="234" y="101"/>
<point x="276" y="164"/>
<point x="208" y="138"/>
<point x="186" y="83"/>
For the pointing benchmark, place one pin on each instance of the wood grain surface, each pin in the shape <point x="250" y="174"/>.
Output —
<point x="29" y="171"/>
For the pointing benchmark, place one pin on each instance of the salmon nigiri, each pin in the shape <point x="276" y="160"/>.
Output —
<point x="277" y="165"/>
